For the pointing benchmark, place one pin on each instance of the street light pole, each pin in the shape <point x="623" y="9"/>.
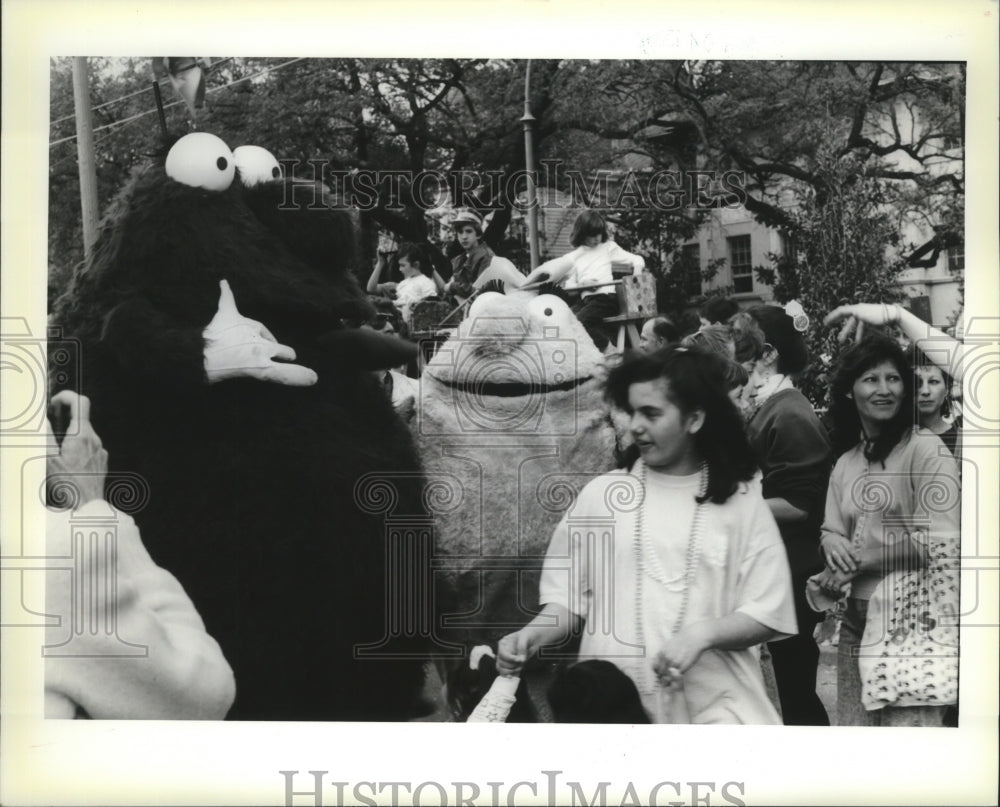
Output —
<point x="528" y="120"/>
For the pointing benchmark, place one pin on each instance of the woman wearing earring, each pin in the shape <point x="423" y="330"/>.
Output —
<point x="890" y="538"/>
<point x="675" y="570"/>
<point x="934" y="401"/>
<point x="795" y="458"/>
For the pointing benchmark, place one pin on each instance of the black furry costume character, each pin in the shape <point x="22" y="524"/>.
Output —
<point x="253" y="503"/>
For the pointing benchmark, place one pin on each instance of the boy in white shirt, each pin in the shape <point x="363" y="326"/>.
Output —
<point x="415" y="286"/>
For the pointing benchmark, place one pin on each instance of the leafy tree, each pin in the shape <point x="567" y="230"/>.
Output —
<point x="126" y="133"/>
<point x="787" y="123"/>
<point x="792" y="127"/>
<point x="119" y="91"/>
<point x="399" y="117"/>
<point x="849" y="250"/>
<point x="802" y="132"/>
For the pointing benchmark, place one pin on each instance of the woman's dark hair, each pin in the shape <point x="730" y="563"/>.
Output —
<point x="869" y="353"/>
<point x="718" y="309"/>
<point x="780" y="333"/>
<point x="697" y="380"/>
<point x="417" y="256"/>
<point x="595" y="691"/>
<point x="666" y="330"/>
<point x="588" y="224"/>
<point x="920" y="359"/>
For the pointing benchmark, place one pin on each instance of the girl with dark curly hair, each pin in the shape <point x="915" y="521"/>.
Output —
<point x="674" y="568"/>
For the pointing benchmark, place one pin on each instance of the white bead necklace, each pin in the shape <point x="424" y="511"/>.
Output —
<point x="647" y="562"/>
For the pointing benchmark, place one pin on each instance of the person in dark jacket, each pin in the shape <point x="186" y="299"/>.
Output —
<point x="795" y="458"/>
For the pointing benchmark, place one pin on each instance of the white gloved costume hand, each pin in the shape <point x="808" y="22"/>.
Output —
<point x="236" y="347"/>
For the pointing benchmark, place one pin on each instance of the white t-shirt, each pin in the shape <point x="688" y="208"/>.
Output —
<point x="412" y="290"/>
<point x="591" y="569"/>
<point x="585" y="266"/>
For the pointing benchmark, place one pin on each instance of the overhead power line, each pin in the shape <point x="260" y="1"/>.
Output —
<point x="137" y="116"/>
<point x="118" y="100"/>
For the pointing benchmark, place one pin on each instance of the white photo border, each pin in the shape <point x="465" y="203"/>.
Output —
<point x="111" y="762"/>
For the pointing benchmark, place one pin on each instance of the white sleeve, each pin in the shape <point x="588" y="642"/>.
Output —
<point x="617" y="254"/>
<point x="764" y="586"/>
<point x="414" y="291"/>
<point x="938" y="493"/>
<point x="427" y="288"/>
<point x="565" y="576"/>
<point x="183" y="674"/>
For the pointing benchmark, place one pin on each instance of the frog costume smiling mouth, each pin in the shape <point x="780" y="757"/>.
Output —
<point x="513" y="389"/>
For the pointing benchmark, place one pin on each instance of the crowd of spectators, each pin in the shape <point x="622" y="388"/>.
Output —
<point x="757" y="519"/>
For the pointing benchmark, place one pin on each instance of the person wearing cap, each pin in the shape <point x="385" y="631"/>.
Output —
<point x="475" y="257"/>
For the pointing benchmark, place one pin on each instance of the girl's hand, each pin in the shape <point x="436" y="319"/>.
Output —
<point x="513" y="650"/>
<point x="834" y="582"/>
<point x="682" y="651"/>
<point x="839" y="555"/>
<point x="669" y="677"/>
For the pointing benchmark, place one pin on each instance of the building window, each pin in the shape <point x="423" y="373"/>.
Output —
<point x="956" y="259"/>
<point x="740" y="261"/>
<point x="789" y="249"/>
<point x="688" y="269"/>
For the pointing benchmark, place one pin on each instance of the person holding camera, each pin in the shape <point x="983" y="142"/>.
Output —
<point x="183" y="674"/>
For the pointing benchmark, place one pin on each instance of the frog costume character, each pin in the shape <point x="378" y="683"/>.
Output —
<point x="512" y="422"/>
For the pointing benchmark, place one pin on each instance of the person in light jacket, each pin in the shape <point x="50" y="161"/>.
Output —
<point x="100" y="674"/>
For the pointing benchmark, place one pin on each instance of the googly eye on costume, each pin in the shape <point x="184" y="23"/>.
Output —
<point x="201" y="160"/>
<point x="550" y="311"/>
<point x="256" y="165"/>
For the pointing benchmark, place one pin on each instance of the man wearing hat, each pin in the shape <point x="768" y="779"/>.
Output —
<point x="476" y="256"/>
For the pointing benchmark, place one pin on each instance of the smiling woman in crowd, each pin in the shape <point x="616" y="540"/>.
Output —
<point x="890" y="540"/>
